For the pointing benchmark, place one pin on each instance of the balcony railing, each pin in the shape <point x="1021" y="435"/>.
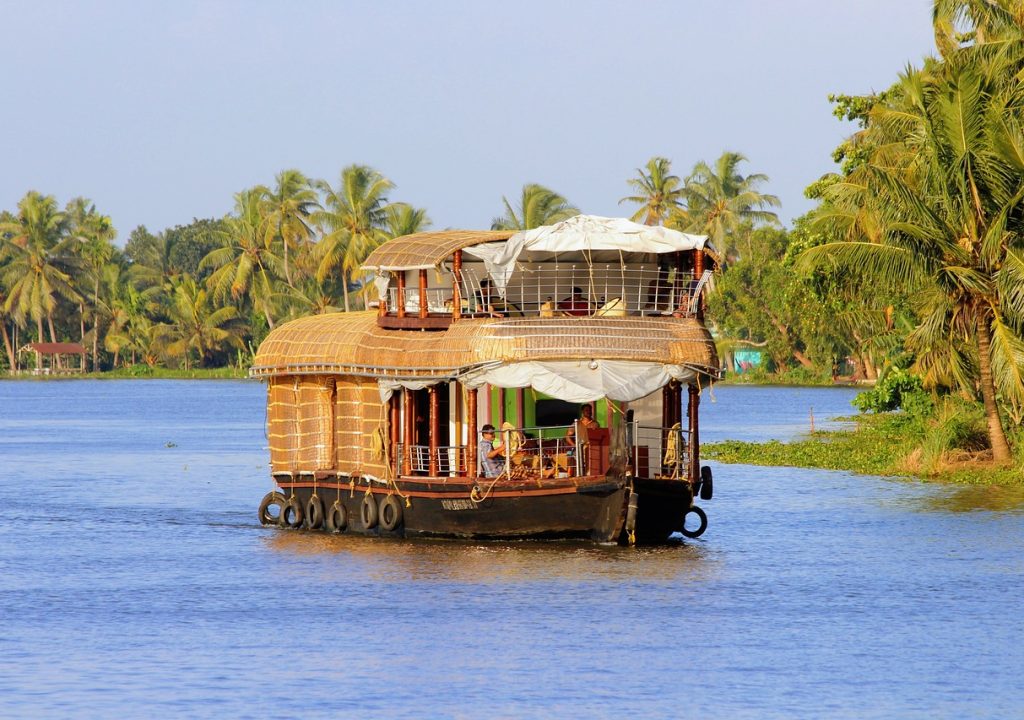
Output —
<point x="554" y="451"/>
<point x="550" y="291"/>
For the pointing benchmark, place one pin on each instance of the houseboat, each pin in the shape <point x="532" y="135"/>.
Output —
<point x="534" y="384"/>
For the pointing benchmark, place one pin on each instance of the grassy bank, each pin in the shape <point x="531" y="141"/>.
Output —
<point x="136" y="372"/>
<point x="943" y="448"/>
<point x="797" y="376"/>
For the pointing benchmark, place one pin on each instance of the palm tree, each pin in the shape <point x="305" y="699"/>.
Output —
<point x="95" y="234"/>
<point x="721" y="202"/>
<point x="353" y="220"/>
<point x="659" y="193"/>
<point x="403" y="219"/>
<point x="38" y="261"/>
<point x="287" y="211"/>
<point x="195" y="325"/>
<point x="245" y="266"/>
<point x="946" y="166"/>
<point x="537" y="206"/>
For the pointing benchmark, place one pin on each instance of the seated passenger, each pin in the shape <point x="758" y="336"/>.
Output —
<point x="587" y="417"/>
<point x="488" y="300"/>
<point x="492" y="461"/>
<point x="575" y="304"/>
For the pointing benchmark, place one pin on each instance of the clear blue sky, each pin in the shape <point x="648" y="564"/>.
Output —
<point x="160" y="111"/>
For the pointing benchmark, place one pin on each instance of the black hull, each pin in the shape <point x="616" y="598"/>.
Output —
<point x="592" y="509"/>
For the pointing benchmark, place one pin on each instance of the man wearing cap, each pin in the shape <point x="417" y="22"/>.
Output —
<point x="492" y="461"/>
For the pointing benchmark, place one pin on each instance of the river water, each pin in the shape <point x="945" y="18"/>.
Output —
<point x="136" y="582"/>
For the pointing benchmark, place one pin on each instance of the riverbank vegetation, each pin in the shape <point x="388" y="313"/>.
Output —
<point x="917" y="244"/>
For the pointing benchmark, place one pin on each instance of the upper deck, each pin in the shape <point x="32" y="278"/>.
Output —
<point x="582" y="267"/>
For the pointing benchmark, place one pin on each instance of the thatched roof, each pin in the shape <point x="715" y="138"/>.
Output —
<point x="428" y="249"/>
<point x="353" y="344"/>
<point x="57" y="348"/>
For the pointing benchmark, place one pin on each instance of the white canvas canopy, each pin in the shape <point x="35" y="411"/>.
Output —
<point x="570" y="380"/>
<point x="582" y="233"/>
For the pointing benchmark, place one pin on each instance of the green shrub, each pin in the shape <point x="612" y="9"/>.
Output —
<point x="898" y="389"/>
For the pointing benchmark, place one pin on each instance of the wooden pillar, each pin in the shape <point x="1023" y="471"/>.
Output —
<point x="456" y="276"/>
<point x="435" y="428"/>
<point x="666" y="406"/>
<point x="423" y="292"/>
<point x="520" y="408"/>
<point x="471" y="419"/>
<point x="409" y="435"/>
<point x="691" y="410"/>
<point x="400" y="310"/>
<point x="382" y="304"/>
<point x="698" y="270"/>
<point x="394" y="432"/>
<point x="680" y="284"/>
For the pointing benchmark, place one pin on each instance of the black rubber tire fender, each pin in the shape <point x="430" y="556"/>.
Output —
<point x="390" y="513"/>
<point x="703" y="523"/>
<point x="291" y="513"/>
<point x="314" y="513"/>
<point x="271" y="498"/>
<point x="336" y="519"/>
<point x="368" y="511"/>
<point x="707" y="485"/>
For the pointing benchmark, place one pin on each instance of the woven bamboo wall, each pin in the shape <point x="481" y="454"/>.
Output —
<point x="325" y="423"/>
<point x="300" y="425"/>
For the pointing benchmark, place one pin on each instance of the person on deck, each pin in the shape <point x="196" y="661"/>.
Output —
<point x="575" y="304"/>
<point x="587" y="417"/>
<point x="492" y="460"/>
<point x="488" y="300"/>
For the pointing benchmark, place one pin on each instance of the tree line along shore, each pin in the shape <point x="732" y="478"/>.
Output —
<point x="908" y="273"/>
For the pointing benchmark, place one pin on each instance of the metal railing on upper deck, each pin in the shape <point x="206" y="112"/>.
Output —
<point x="551" y="291"/>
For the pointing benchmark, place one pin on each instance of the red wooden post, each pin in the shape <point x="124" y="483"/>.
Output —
<point x="394" y="432"/>
<point x="471" y="447"/>
<point x="410" y="431"/>
<point x="691" y="408"/>
<point x="679" y="286"/>
<point x="435" y="428"/>
<point x="400" y="310"/>
<point x="456" y="276"/>
<point x="423" y="293"/>
<point x="698" y="271"/>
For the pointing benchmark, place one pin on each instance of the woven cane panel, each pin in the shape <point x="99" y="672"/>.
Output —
<point x="375" y="415"/>
<point x="314" y="441"/>
<point x="428" y="249"/>
<point x="348" y="418"/>
<point x="281" y="423"/>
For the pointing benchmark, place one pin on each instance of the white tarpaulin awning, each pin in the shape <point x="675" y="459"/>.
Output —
<point x="582" y="233"/>
<point x="574" y="381"/>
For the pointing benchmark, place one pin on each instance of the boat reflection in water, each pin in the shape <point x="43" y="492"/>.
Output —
<point x="497" y="562"/>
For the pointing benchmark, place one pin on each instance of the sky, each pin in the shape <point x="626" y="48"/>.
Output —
<point x="159" y="112"/>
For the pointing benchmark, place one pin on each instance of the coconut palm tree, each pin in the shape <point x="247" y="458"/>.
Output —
<point x="537" y="206"/>
<point x="39" y="261"/>
<point x="659" y="193"/>
<point x="197" y="326"/>
<point x="95" y="234"/>
<point x="403" y="219"/>
<point x="721" y="202"/>
<point x="246" y="265"/>
<point x="287" y="211"/>
<point x="945" y="172"/>
<point x="353" y="219"/>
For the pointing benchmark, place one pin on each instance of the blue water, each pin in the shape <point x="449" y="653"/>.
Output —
<point x="135" y="582"/>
